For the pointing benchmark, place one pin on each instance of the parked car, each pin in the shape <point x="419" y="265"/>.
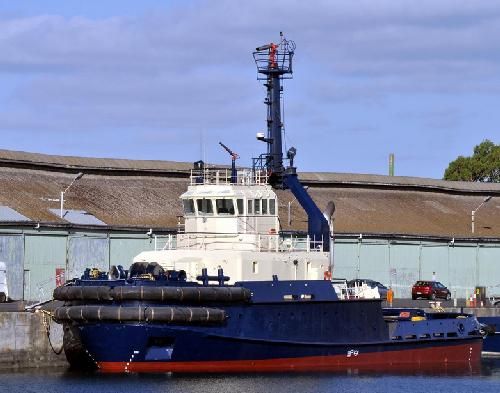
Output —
<point x="430" y="290"/>
<point x="358" y="282"/>
<point x="4" y="291"/>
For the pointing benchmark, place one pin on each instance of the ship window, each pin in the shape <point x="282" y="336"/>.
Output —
<point x="250" y="206"/>
<point x="239" y="204"/>
<point x="205" y="206"/>
<point x="264" y="206"/>
<point x="272" y="207"/>
<point x="188" y="206"/>
<point x="225" y="206"/>
<point x="256" y="205"/>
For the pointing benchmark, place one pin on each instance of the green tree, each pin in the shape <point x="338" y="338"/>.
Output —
<point x="483" y="165"/>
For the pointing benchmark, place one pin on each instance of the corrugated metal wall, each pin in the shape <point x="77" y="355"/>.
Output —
<point x="86" y="251"/>
<point x="43" y="254"/>
<point x="11" y="252"/>
<point x="33" y="257"/>
<point x="459" y="266"/>
<point x="124" y="248"/>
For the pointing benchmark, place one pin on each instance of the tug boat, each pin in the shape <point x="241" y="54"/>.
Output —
<point x="163" y="323"/>
<point x="264" y="302"/>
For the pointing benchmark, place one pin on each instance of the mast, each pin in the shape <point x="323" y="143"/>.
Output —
<point x="274" y="63"/>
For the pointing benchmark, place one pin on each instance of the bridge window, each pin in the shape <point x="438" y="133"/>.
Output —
<point x="264" y="206"/>
<point x="272" y="207"/>
<point x="256" y="206"/>
<point x="188" y="206"/>
<point x="250" y="206"/>
<point x="205" y="206"/>
<point x="239" y="205"/>
<point x="225" y="206"/>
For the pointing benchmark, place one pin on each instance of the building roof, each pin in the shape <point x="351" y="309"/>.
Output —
<point x="9" y="214"/>
<point x="69" y="163"/>
<point x="146" y="194"/>
<point x="407" y="182"/>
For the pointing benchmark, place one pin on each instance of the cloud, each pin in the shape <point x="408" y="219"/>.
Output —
<point x="189" y="66"/>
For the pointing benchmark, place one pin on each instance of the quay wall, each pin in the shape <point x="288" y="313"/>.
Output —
<point x="24" y="343"/>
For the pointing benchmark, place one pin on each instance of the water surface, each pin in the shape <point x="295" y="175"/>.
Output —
<point x="486" y="380"/>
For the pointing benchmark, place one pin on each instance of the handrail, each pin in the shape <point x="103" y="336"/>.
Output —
<point x="224" y="176"/>
<point x="260" y="242"/>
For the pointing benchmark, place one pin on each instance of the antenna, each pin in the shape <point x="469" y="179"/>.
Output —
<point x="202" y="145"/>
<point x="234" y="157"/>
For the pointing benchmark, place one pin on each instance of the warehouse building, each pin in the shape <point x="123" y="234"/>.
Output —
<point x="392" y="229"/>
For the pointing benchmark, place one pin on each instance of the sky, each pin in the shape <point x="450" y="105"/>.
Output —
<point x="168" y="80"/>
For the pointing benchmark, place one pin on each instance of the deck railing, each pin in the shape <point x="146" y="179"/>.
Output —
<point x="234" y="241"/>
<point x="245" y="177"/>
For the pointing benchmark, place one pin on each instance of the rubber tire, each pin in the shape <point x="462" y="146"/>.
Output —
<point x="432" y="296"/>
<point x="77" y="356"/>
<point x="3" y="298"/>
<point x="448" y="296"/>
<point x="414" y="297"/>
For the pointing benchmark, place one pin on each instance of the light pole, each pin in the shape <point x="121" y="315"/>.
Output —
<point x="473" y="213"/>
<point x="78" y="176"/>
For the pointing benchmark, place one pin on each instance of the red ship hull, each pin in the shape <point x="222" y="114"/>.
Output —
<point x="463" y="356"/>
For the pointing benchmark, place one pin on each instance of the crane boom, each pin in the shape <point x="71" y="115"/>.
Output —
<point x="234" y="157"/>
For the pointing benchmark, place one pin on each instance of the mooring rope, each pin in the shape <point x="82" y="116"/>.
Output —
<point x="46" y="318"/>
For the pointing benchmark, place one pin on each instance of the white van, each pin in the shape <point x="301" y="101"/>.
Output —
<point x="4" y="291"/>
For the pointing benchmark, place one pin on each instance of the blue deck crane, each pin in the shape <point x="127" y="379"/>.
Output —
<point x="234" y="157"/>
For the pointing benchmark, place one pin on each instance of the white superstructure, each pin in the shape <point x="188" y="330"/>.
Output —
<point x="233" y="223"/>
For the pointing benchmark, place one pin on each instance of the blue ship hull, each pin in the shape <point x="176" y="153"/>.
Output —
<point x="134" y="350"/>
<point x="284" y="326"/>
<point x="491" y="346"/>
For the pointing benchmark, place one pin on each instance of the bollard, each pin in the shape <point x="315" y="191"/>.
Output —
<point x="455" y="302"/>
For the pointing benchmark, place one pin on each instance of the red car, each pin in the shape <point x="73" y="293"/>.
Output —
<point x="430" y="290"/>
